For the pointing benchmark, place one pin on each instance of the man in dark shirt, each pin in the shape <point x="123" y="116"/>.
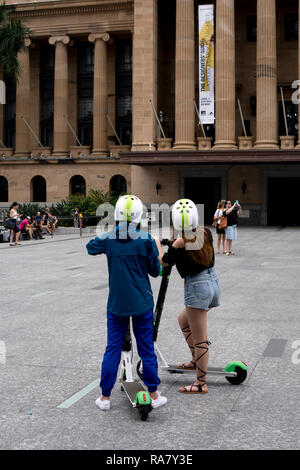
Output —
<point x="232" y="212"/>
<point x="37" y="225"/>
<point x="38" y="219"/>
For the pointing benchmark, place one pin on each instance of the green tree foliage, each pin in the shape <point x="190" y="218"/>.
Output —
<point x="30" y="209"/>
<point x="64" y="209"/>
<point x="86" y="204"/>
<point x="12" y="41"/>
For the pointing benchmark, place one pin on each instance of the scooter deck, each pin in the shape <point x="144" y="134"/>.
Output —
<point x="173" y="369"/>
<point x="132" y="388"/>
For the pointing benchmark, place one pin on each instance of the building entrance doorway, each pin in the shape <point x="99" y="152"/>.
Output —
<point x="205" y="191"/>
<point x="282" y="196"/>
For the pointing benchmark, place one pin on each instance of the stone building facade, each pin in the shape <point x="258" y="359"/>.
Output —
<point x="82" y="115"/>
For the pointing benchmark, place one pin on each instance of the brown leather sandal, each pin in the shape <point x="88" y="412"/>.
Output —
<point x="185" y="367"/>
<point x="189" y="389"/>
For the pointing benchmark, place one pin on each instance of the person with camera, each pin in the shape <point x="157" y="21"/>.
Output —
<point x="231" y="212"/>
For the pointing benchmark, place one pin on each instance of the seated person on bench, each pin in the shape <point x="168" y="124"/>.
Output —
<point x="50" y="221"/>
<point x="36" y="225"/>
<point x="26" y="228"/>
<point x="38" y="220"/>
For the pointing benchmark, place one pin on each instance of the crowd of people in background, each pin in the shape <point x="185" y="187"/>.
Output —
<point x="33" y="226"/>
<point x="225" y="221"/>
<point x="19" y="226"/>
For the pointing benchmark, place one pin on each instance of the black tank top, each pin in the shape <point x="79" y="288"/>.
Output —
<point x="185" y="264"/>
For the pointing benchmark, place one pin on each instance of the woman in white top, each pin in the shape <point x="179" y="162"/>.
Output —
<point x="220" y="232"/>
<point x="14" y="215"/>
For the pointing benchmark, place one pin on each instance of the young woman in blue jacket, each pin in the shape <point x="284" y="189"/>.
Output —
<point x="131" y="255"/>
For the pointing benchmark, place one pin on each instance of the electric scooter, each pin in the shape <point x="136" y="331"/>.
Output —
<point x="134" y="389"/>
<point x="235" y="372"/>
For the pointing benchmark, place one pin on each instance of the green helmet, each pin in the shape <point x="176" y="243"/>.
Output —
<point x="184" y="215"/>
<point x="129" y="208"/>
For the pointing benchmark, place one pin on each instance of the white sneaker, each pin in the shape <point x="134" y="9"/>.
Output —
<point x="103" y="404"/>
<point x="160" y="401"/>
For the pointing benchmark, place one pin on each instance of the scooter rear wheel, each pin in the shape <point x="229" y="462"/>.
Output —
<point x="144" y="411"/>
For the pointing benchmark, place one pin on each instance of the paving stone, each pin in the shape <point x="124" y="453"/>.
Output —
<point x="53" y="323"/>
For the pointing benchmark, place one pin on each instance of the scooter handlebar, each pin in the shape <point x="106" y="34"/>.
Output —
<point x="166" y="242"/>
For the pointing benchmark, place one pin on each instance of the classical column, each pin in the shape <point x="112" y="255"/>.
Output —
<point x="23" y="103"/>
<point x="2" y="90"/>
<point x="34" y="95"/>
<point x="298" y="143"/>
<point x="144" y="80"/>
<point x="225" y="76"/>
<point x="266" y="76"/>
<point x="61" y="95"/>
<point x="100" y="93"/>
<point x="185" y="76"/>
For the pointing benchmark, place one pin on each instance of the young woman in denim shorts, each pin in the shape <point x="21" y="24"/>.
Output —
<point x="193" y="255"/>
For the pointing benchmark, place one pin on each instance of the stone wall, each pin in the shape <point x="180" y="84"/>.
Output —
<point x="57" y="176"/>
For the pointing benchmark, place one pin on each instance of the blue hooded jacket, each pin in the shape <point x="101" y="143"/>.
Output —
<point x="131" y="256"/>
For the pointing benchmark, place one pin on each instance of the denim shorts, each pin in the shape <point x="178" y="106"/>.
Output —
<point x="202" y="290"/>
<point x="231" y="232"/>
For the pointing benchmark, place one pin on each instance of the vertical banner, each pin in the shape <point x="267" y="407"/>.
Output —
<point x="2" y="92"/>
<point x="206" y="64"/>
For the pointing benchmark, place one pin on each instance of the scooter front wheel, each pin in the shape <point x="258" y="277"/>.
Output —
<point x="241" y="370"/>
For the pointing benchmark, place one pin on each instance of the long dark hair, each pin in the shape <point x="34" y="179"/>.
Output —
<point x="203" y="243"/>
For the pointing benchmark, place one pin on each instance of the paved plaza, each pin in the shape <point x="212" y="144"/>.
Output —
<point x="53" y="335"/>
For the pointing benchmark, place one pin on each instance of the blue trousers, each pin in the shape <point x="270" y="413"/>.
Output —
<point x="143" y="332"/>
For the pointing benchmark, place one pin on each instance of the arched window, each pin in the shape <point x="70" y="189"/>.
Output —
<point x="38" y="189"/>
<point x="77" y="185"/>
<point x="118" y="185"/>
<point x="3" y="189"/>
